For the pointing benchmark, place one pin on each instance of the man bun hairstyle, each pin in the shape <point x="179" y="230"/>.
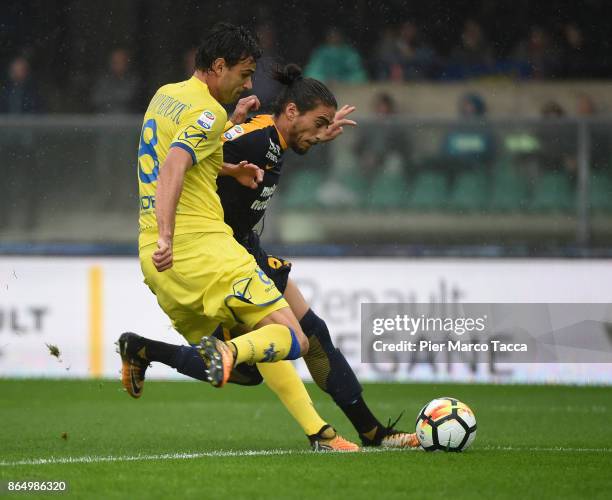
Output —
<point x="306" y="93"/>
<point x="288" y="74"/>
<point x="228" y="41"/>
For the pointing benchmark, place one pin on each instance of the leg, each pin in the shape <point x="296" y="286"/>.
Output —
<point x="328" y="366"/>
<point x="333" y="374"/>
<point x="214" y="280"/>
<point x="137" y="352"/>
<point x="284" y="381"/>
<point x="259" y="345"/>
<point x="281" y="378"/>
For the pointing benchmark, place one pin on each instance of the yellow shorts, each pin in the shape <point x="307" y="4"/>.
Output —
<point x="213" y="280"/>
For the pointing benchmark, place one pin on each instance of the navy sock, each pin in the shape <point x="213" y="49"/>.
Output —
<point x="187" y="360"/>
<point x="184" y="359"/>
<point x="332" y="373"/>
<point x="361" y="417"/>
<point x="159" y="351"/>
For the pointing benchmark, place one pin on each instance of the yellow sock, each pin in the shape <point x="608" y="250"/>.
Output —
<point x="285" y="382"/>
<point x="267" y="344"/>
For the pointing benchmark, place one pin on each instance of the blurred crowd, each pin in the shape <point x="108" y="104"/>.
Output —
<point x="469" y="166"/>
<point x="401" y="53"/>
<point x="114" y="90"/>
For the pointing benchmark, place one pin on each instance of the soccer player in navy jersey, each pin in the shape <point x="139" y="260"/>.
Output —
<point x="253" y="158"/>
<point x="245" y="190"/>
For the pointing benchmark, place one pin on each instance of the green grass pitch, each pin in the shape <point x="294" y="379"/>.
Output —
<point x="533" y="442"/>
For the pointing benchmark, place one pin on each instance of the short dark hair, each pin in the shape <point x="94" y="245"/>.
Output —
<point x="306" y="93"/>
<point x="228" y="41"/>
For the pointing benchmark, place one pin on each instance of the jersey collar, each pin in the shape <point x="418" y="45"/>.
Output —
<point x="283" y="142"/>
<point x="194" y="80"/>
<point x="268" y="121"/>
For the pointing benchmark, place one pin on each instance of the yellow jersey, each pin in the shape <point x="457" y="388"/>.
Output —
<point x="183" y="115"/>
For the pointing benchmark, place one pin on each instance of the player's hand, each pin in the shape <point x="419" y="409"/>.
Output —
<point x="336" y="128"/>
<point x="247" y="174"/>
<point x="162" y="257"/>
<point x="244" y="106"/>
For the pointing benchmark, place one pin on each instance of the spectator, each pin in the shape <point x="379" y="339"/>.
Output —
<point x="539" y="53"/>
<point x="416" y="57"/>
<point x="585" y="106"/>
<point x="115" y="91"/>
<point x="557" y="140"/>
<point x="474" y="56"/>
<point x="21" y="188"/>
<point x="552" y="109"/>
<point x="264" y="86"/>
<point x="601" y="151"/>
<point x="574" y="52"/>
<point x="403" y="56"/>
<point x="385" y="59"/>
<point x="19" y="93"/>
<point x="470" y="144"/>
<point x="383" y="143"/>
<point x="336" y="61"/>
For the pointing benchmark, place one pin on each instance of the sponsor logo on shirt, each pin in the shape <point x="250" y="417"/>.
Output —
<point x="206" y="120"/>
<point x="274" y="148"/>
<point x="274" y="151"/>
<point x="233" y="132"/>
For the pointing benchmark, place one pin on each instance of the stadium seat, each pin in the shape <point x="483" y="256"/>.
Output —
<point x="430" y="192"/>
<point x="553" y="192"/>
<point x="344" y="189"/>
<point x="470" y="192"/>
<point x="389" y="190"/>
<point x="510" y="192"/>
<point x="303" y="190"/>
<point x="356" y="182"/>
<point x="601" y="193"/>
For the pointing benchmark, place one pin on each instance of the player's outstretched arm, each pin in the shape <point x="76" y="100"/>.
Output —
<point x="242" y="109"/>
<point x="169" y="188"/>
<point x="340" y="120"/>
<point x="247" y="174"/>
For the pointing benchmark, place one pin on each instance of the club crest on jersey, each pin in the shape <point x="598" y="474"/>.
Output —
<point x="233" y="132"/>
<point x="270" y="354"/>
<point x="241" y="288"/>
<point x="206" y="120"/>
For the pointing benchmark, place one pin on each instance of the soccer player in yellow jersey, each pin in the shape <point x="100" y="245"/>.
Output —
<point x="202" y="277"/>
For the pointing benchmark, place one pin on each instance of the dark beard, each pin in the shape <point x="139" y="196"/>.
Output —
<point x="299" y="151"/>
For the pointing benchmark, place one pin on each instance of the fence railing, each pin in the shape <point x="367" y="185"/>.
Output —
<point x="538" y="184"/>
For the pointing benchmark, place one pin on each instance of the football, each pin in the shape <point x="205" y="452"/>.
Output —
<point x="446" y="424"/>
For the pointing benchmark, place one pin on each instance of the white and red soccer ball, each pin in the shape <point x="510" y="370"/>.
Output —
<point x="446" y="424"/>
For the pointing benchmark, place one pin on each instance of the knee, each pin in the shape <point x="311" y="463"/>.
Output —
<point x="299" y="343"/>
<point x="315" y="328"/>
<point x="304" y="344"/>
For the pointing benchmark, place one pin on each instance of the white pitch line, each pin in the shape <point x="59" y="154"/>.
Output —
<point x="92" y="459"/>
<point x="165" y="456"/>
<point x="555" y="449"/>
<point x="134" y="458"/>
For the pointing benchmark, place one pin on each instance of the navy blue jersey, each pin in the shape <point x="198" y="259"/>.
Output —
<point x="259" y="142"/>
